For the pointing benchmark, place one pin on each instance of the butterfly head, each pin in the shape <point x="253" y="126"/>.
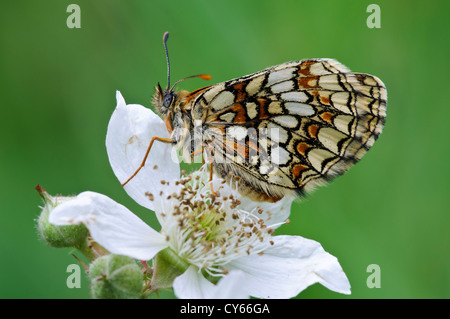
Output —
<point x="163" y="100"/>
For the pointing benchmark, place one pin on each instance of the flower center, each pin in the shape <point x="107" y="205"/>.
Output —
<point x="209" y="231"/>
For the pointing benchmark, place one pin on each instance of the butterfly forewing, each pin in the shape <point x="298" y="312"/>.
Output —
<point x="291" y="127"/>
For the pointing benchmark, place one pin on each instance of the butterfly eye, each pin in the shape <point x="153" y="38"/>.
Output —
<point x="168" y="98"/>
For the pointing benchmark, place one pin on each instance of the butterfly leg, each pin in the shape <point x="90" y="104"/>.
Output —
<point x="210" y="167"/>
<point x="210" y="149"/>
<point x="198" y="152"/>
<point x="155" y="138"/>
<point x="210" y="180"/>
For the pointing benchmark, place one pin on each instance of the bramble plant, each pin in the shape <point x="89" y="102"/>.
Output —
<point x="211" y="244"/>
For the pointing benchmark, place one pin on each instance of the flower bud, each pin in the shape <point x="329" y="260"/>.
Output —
<point x="115" y="277"/>
<point x="58" y="236"/>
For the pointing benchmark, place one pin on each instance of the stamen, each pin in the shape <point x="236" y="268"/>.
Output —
<point x="207" y="231"/>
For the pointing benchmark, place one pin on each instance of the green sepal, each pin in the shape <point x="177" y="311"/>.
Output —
<point x="55" y="235"/>
<point x="166" y="267"/>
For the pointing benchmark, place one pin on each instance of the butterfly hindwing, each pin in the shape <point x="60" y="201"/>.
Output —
<point x="291" y="127"/>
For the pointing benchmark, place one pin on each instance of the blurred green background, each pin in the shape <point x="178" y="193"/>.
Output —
<point x="58" y="92"/>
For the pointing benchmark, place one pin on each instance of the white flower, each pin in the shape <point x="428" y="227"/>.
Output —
<point x="229" y="237"/>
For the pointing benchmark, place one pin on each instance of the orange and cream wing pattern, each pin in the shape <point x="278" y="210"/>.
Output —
<point x="291" y="127"/>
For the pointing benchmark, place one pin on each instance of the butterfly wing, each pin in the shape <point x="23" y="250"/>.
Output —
<point x="291" y="127"/>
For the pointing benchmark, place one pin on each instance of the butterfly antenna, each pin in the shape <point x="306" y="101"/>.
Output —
<point x="201" y="76"/>
<point x="165" y="37"/>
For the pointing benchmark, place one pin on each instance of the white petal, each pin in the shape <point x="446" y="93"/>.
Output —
<point x="288" y="267"/>
<point x="111" y="225"/>
<point x="273" y="214"/>
<point x="230" y="287"/>
<point x="130" y="131"/>
<point x="192" y="285"/>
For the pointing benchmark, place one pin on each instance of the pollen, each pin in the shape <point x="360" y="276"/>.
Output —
<point x="150" y="196"/>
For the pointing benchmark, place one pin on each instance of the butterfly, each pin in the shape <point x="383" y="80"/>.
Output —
<point x="282" y="131"/>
